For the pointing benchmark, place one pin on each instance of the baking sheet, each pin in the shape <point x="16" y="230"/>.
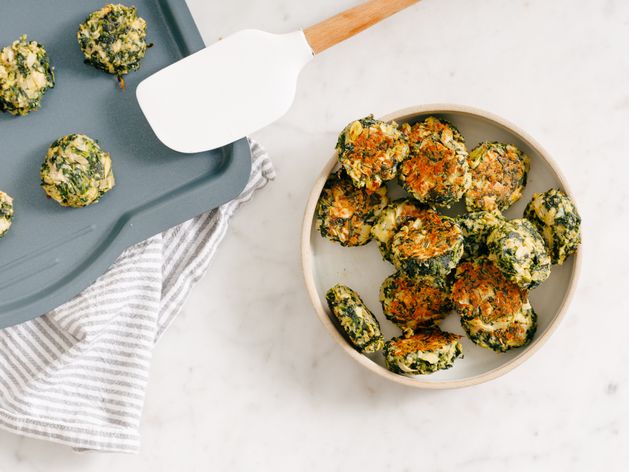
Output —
<point x="52" y="253"/>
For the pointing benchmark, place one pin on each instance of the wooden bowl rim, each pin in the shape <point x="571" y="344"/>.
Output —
<point x="323" y="312"/>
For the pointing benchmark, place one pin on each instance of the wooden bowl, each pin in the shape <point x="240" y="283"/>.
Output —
<point x="326" y="263"/>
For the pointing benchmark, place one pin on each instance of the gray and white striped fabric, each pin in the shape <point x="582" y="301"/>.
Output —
<point x="77" y="375"/>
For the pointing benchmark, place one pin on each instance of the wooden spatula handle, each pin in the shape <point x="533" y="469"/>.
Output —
<point x="345" y="25"/>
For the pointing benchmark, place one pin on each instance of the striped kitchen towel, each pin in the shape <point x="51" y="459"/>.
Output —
<point x="77" y="375"/>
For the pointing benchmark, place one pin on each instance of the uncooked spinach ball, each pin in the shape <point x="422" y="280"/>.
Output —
<point x="6" y="213"/>
<point x="76" y="171"/>
<point x="113" y="39"/>
<point x="25" y="76"/>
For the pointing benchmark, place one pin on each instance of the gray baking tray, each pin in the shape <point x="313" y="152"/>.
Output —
<point x="52" y="253"/>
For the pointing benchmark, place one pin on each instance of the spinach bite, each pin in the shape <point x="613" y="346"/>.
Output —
<point x="424" y="352"/>
<point x="113" y="39"/>
<point x="495" y="312"/>
<point x="370" y="151"/>
<point x="412" y="304"/>
<point x="427" y="248"/>
<point x="346" y="213"/>
<point x="6" y="213"/>
<point x="436" y="172"/>
<point x="358" y="323"/>
<point x="395" y="215"/>
<point x="435" y="128"/>
<point x="25" y="76"/>
<point x="476" y="227"/>
<point x="519" y="251"/>
<point x="499" y="172"/>
<point x="555" y="216"/>
<point x="76" y="172"/>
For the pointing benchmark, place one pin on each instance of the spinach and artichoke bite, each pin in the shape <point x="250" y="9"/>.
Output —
<point x="358" y="322"/>
<point x="346" y="213"/>
<point x="499" y="172"/>
<point x="476" y="227"/>
<point x="113" y="39"/>
<point x="428" y="248"/>
<point x="519" y="251"/>
<point x="423" y="352"/>
<point x="395" y="215"/>
<point x="370" y="151"/>
<point x="436" y="172"/>
<point x="25" y="76"/>
<point x="6" y="213"/>
<point x="76" y="172"/>
<point x="555" y="216"/>
<point x="412" y="304"/>
<point x="495" y="313"/>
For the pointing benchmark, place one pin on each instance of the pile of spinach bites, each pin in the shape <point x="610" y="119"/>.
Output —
<point x="76" y="172"/>
<point x="478" y="264"/>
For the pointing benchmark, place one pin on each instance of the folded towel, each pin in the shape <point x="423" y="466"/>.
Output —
<point x="77" y="375"/>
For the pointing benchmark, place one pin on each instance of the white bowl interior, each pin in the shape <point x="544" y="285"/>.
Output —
<point x="363" y="269"/>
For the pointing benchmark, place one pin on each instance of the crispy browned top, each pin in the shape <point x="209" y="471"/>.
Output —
<point x="497" y="175"/>
<point x="481" y="289"/>
<point x="431" y="127"/>
<point x="423" y="340"/>
<point x="370" y="144"/>
<point x="345" y="208"/>
<point x="428" y="236"/>
<point x="345" y="200"/>
<point x="372" y="155"/>
<point x="433" y="168"/>
<point x="408" y="212"/>
<point x="413" y="303"/>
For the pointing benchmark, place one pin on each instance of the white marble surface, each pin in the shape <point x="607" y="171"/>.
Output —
<point x="247" y="379"/>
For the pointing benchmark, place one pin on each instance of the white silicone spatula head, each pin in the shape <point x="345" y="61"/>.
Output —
<point x="224" y="92"/>
<point x="243" y="82"/>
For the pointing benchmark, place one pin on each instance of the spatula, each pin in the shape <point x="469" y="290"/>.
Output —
<point x="243" y="82"/>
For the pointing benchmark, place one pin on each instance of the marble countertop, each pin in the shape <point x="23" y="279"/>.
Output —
<point x="248" y="379"/>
